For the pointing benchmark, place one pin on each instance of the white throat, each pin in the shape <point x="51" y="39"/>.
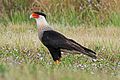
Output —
<point x="41" y="22"/>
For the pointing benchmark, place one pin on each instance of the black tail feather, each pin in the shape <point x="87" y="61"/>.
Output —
<point x="77" y="47"/>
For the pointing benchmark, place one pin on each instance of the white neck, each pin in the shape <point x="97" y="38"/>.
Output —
<point x="41" y="22"/>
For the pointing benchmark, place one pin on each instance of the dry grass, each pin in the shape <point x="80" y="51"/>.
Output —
<point x="26" y="36"/>
<point x="24" y="57"/>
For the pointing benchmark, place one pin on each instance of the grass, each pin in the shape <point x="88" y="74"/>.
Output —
<point x="23" y="57"/>
<point x="72" y="12"/>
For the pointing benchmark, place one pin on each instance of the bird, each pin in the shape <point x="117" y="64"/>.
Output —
<point x="56" y="41"/>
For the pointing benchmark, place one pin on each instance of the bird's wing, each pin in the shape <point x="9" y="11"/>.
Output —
<point x="58" y="41"/>
<point x="53" y="39"/>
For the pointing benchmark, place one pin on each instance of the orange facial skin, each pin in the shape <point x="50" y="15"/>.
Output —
<point x="35" y="15"/>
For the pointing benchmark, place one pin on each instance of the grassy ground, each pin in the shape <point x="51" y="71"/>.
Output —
<point x="23" y="57"/>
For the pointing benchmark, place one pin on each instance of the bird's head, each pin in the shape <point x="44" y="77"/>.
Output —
<point x="38" y="15"/>
<point x="40" y="18"/>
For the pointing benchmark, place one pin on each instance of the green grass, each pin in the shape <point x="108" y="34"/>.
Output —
<point x="115" y="18"/>
<point x="72" y="12"/>
<point x="23" y="57"/>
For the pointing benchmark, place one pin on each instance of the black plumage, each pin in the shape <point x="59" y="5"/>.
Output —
<point x="55" y="41"/>
<point x="40" y="13"/>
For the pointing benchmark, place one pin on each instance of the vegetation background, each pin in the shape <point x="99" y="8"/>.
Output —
<point x="93" y="23"/>
<point x="65" y="12"/>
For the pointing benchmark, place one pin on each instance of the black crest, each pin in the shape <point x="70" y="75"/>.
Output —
<point x="41" y="13"/>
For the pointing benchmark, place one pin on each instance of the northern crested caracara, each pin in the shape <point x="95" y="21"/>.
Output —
<point x="55" y="41"/>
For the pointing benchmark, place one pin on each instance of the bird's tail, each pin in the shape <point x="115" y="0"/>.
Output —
<point x="72" y="45"/>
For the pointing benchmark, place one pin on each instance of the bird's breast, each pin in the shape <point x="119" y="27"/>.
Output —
<point x="42" y="30"/>
<point x="40" y="35"/>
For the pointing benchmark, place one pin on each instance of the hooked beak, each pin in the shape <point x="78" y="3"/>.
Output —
<point x="31" y="16"/>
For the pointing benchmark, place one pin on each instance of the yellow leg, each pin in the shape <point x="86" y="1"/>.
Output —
<point x="57" y="62"/>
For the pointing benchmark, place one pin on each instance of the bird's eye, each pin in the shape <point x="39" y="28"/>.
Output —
<point x="35" y="15"/>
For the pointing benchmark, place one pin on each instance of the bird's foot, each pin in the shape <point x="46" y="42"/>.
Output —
<point x="57" y="62"/>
